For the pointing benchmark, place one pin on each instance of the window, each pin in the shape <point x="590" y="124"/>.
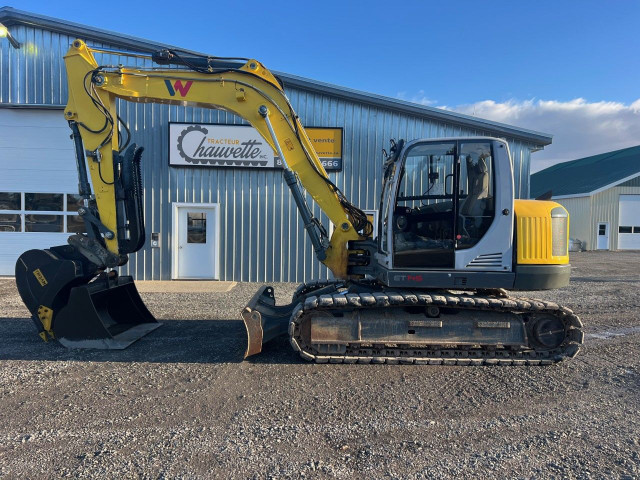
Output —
<point x="43" y="223"/>
<point x="74" y="202"/>
<point x="10" y="206"/>
<point x="75" y="224"/>
<point x="43" y="201"/>
<point x="10" y="201"/>
<point x="196" y="227"/>
<point x="476" y="201"/>
<point x="602" y="229"/>
<point x="423" y="217"/>
<point x="10" y="222"/>
<point x="386" y="195"/>
<point x="625" y="229"/>
<point x="636" y="229"/>
<point x="40" y="212"/>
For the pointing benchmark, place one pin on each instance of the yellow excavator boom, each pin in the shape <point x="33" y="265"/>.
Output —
<point x="251" y="92"/>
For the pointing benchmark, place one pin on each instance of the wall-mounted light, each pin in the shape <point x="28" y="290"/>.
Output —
<point x="4" y="32"/>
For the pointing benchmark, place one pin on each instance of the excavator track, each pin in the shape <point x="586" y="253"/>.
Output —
<point x="306" y="288"/>
<point x="542" y="321"/>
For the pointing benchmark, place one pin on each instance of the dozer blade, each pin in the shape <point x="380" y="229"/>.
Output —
<point x="71" y="301"/>
<point x="264" y="320"/>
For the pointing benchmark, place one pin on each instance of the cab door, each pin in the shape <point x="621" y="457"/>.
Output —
<point x="484" y="225"/>
<point x="424" y="208"/>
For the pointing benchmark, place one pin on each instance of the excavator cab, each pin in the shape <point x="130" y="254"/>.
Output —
<point x="448" y="205"/>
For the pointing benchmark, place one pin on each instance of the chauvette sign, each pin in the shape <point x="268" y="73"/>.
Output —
<point x="241" y="146"/>
<point x="218" y="146"/>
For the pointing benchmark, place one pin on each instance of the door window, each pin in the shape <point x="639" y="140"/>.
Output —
<point x="476" y="195"/>
<point x="423" y="218"/>
<point x="10" y="221"/>
<point x="196" y="227"/>
<point x="386" y="204"/>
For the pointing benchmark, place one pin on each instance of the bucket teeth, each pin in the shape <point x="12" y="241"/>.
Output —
<point x="45" y="315"/>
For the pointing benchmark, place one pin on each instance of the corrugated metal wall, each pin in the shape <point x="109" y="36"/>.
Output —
<point x="262" y="238"/>
<point x="587" y="212"/>
<point x="605" y="207"/>
<point x="580" y="227"/>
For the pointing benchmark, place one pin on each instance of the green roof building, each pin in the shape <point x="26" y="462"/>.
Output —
<point x="602" y="195"/>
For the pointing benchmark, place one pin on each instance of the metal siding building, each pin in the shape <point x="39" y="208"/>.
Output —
<point x="601" y="194"/>
<point x="261" y="237"/>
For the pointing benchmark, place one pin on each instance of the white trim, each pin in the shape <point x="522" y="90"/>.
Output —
<point x="174" y="236"/>
<point x="578" y="195"/>
<point x="601" y="189"/>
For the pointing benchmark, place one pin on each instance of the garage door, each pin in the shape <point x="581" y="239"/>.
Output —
<point x="629" y="225"/>
<point x="37" y="184"/>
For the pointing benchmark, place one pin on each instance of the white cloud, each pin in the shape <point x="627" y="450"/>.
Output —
<point x="579" y="128"/>
<point x="420" y="98"/>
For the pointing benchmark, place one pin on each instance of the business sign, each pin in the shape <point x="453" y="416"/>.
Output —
<point x="327" y="143"/>
<point x="218" y="146"/>
<point x="241" y="146"/>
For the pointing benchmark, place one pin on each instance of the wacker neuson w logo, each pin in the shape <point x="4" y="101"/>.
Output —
<point x="179" y="87"/>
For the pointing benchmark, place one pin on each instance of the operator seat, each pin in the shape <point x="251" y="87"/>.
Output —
<point x="475" y="203"/>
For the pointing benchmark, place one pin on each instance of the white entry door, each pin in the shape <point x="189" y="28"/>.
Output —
<point x="196" y="232"/>
<point x="603" y="236"/>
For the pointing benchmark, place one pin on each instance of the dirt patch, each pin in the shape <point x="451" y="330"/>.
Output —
<point x="181" y="403"/>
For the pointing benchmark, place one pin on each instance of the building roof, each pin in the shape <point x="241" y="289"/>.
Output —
<point x="587" y="176"/>
<point x="10" y="16"/>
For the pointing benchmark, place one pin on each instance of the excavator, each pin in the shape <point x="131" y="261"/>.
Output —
<point x="430" y="288"/>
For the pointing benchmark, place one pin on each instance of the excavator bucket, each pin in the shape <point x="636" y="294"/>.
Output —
<point x="70" y="301"/>
<point x="105" y="316"/>
<point x="264" y="320"/>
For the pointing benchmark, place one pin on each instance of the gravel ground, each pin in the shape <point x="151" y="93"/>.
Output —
<point x="181" y="403"/>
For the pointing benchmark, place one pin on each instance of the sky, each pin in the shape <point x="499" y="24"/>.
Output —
<point x="565" y="67"/>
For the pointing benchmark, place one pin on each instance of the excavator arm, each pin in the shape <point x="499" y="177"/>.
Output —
<point x="73" y="291"/>
<point x="247" y="89"/>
